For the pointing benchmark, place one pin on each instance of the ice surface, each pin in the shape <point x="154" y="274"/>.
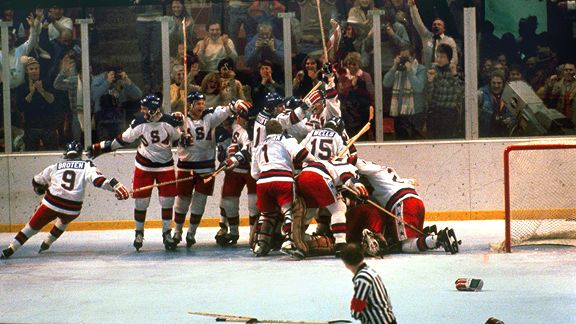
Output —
<point x="97" y="277"/>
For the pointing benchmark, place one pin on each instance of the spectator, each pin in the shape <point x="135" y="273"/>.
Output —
<point x="432" y="39"/>
<point x="563" y="89"/>
<point x="529" y="40"/>
<point x="515" y="73"/>
<point x="211" y="89"/>
<point x="359" y="16"/>
<point x="500" y="69"/>
<point x="179" y="14"/>
<point x="485" y="71"/>
<point x="265" y="84"/>
<point x="264" y="12"/>
<point x="356" y="93"/>
<point x="115" y="99"/>
<point x="444" y="95"/>
<point x="350" y="42"/>
<point x="495" y="119"/>
<point x="177" y="93"/>
<point x="370" y="302"/>
<point x="215" y="47"/>
<point x="407" y="78"/>
<point x="306" y="78"/>
<point x="394" y="37"/>
<point x="57" y="23"/>
<point x="264" y="46"/>
<point x="35" y="99"/>
<point x="69" y="79"/>
<point x="489" y="43"/>
<point x="194" y="75"/>
<point x="238" y="13"/>
<point x="57" y="49"/>
<point x="15" y="53"/>
<point x="230" y="87"/>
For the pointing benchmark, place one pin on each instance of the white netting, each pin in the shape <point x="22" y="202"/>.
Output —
<point x="542" y="189"/>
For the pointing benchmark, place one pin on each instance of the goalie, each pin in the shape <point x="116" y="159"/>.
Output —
<point x="393" y="223"/>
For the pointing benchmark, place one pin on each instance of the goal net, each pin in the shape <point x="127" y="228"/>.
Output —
<point x="540" y="193"/>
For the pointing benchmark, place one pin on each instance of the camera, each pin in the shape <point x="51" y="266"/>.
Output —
<point x="402" y="63"/>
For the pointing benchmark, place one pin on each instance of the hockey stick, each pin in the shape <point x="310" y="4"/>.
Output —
<point x="322" y="31"/>
<point x="161" y="184"/>
<point x="215" y="173"/>
<point x="352" y="190"/>
<point x="318" y="84"/>
<point x="354" y="139"/>
<point x="246" y="319"/>
<point x="360" y="133"/>
<point x="185" y="125"/>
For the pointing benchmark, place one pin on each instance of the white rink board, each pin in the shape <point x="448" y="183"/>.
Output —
<point x="452" y="176"/>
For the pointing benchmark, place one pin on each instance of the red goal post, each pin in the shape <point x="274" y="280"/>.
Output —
<point x="539" y="189"/>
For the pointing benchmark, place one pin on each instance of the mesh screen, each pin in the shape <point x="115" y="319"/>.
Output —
<point x="542" y="195"/>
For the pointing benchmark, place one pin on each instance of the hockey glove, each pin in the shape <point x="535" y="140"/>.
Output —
<point x="232" y="149"/>
<point x="39" y="189"/>
<point x="178" y="117"/>
<point x="97" y="149"/>
<point x="231" y="163"/>
<point x="467" y="284"/>
<point x="315" y="97"/>
<point x="120" y="190"/>
<point x="240" y="105"/>
<point x="185" y="141"/>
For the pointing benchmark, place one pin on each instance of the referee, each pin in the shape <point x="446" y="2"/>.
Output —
<point x="370" y="303"/>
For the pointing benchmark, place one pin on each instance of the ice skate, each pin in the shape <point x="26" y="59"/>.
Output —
<point x="262" y="248"/>
<point x="168" y="241"/>
<point x="43" y="247"/>
<point x="177" y="238"/>
<point x="447" y="239"/>
<point x="221" y="235"/>
<point x="6" y="253"/>
<point x="290" y="249"/>
<point x="190" y="240"/>
<point x="139" y="240"/>
<point x="338" y="249"/>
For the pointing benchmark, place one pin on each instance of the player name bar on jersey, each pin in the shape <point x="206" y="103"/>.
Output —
<point x="324" y="133"/>
<point x="71" y="165"/>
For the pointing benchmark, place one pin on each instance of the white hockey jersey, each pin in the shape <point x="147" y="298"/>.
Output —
<point x="240" y="137"/>
<point x="274" y="159"/>
<point x="200" y="156"/>
<point x="156" y="140"/>
<point x="389" y="188"/>
<point x="337" y="171"/>
<point x="324" y="144"/>
<point x="66" y="183"/>
<point x="292" y="122"/>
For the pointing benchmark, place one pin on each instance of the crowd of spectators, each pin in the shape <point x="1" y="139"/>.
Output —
<point x="237" y="52"/>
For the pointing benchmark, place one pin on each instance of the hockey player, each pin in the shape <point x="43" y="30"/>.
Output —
<point x="318" y="184"/>
<point x="272" y="167"/>
<point x="63" y="185"/>
<point x="157" y="133"/>
<point x="327" y="142"/>
<point x="399" y="197"/>
<point x="198" y="157"/>
<point x="293" y="120"/>
<point x="236" y="178"/>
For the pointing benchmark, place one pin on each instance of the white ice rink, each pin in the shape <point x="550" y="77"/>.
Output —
<point x="97" y="277"/>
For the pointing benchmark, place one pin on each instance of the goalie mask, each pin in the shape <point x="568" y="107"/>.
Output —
<point x="150" y="106"/>
<point x="374" y="244"/>
<point x="72" y="150"/>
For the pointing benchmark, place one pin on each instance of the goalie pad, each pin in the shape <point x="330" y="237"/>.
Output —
<point x="299" y="224"/>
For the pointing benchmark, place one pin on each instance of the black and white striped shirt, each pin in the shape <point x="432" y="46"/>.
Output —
<point x="370" y="303"/>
